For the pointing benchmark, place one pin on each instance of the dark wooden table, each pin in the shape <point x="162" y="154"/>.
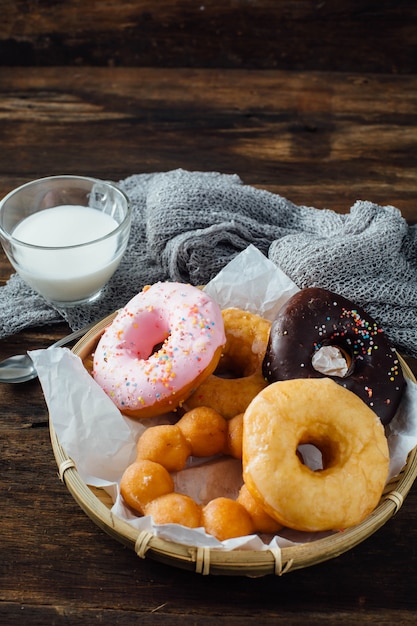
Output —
<point x="323" y="138"/>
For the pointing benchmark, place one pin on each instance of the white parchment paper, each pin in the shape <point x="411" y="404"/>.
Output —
<point x="102" y="442"/>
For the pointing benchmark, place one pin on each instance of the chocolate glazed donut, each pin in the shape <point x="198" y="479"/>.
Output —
<point x="314" y="318"/>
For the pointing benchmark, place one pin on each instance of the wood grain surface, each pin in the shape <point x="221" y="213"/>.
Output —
<point x="321" y="139"/>
<point x="260" y="34"/>
<point x="314" y="101"/>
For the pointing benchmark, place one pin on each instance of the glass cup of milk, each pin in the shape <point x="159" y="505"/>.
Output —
<point x="65" y="236"/>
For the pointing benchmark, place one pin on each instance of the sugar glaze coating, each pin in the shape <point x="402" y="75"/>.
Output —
<point x="159" y="347"/>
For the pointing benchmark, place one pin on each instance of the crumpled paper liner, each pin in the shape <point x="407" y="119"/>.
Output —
<point x="102" y="442"/>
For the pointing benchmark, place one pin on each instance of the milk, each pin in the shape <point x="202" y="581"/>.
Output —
<point x="67" y="274"/>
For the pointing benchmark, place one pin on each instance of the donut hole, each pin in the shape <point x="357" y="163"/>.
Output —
<point x="139" y="344"/>
<point x="320" y="453"/>
<point x="236" y="365"/>
<point x="333" y="360"/>
<point x="151" y="346"/>
<point x="310" y="456"/>
<point x="246" y="340"/>
<point x="158" y="346"/>
<point x="228" y="369"/>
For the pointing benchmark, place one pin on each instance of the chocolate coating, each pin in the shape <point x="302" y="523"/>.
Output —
<point x="316" y="317"/>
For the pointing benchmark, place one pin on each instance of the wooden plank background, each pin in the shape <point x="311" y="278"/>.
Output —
<point x="331" y="140"/>
<point x="373" y="35"/>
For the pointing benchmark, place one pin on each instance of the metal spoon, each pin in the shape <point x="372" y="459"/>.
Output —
<point x="20" y="368"/>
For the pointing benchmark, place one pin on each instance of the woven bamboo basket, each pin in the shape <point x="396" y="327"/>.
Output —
<point x="97" y="504"/>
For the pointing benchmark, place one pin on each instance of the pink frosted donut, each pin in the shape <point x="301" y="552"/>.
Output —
<point x="159" y="348"/>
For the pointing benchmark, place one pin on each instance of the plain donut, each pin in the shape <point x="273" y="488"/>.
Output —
<point x="350" y="437"/>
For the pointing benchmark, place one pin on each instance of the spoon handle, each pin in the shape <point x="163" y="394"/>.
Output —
<point x="75" y="335"/>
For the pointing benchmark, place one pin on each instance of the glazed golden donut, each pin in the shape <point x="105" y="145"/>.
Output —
<point x="148" y="488"/>
<point x="238" y="377"/>
<point x="350" y="437"/>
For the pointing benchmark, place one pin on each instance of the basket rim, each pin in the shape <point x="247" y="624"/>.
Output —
<point x="253" y="563"/>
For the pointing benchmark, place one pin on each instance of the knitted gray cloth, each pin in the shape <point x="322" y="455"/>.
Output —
<point x="188" y="225"/>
